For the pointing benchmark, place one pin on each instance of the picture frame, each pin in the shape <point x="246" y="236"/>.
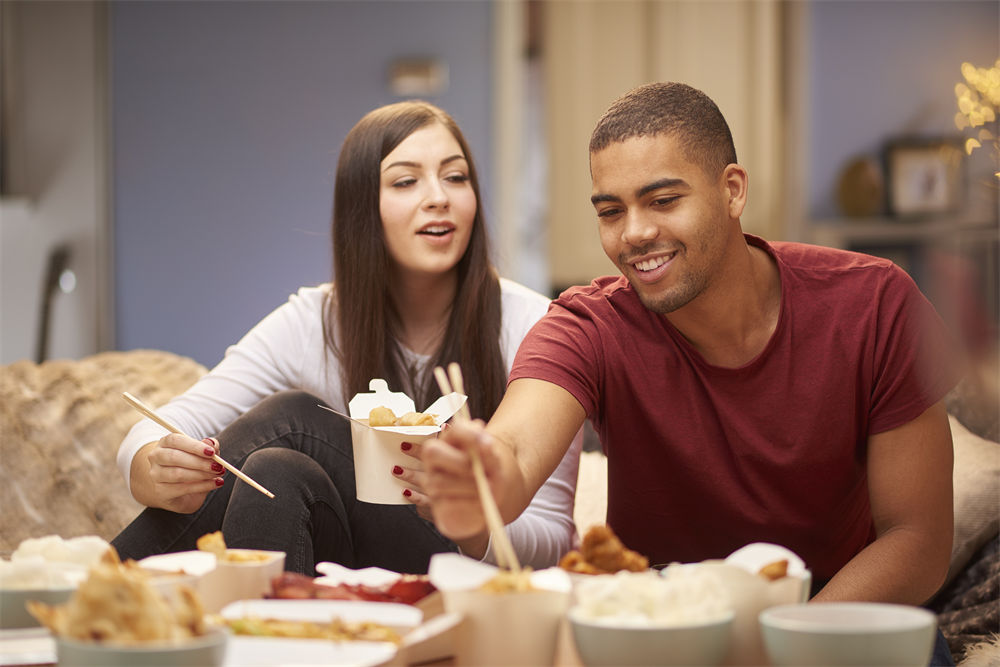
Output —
<point x="924" y="178"/>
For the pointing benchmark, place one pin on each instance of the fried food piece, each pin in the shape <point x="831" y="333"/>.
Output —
<point x="774" y="571"/>
<point x="574" y="562"/>
<point x="381" y="416"/>
<point x="216" y="544"/>
<point x="213" y="542"/>
<point x="118" y="604"/>
<point x="337" y="629"/>
<point x="603" y="553"/>
<point x="416" y="419"/>
<point x="506" y="581"/>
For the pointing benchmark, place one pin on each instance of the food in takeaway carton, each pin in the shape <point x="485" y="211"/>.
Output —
<point x="758" y="576"/>
<point x="377" y="448"/>
<point x="222" y="574"/>
<point x="507" y="618"/>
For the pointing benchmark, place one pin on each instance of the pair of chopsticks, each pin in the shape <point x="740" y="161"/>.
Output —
<point x="506" y="557"/>
<point x="149" y="412"/>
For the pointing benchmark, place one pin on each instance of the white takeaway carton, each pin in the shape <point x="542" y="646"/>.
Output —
<point x="377" y="449"/>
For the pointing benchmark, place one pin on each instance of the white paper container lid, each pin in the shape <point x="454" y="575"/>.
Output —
<point x="363" y="403"/>
<point x="442" y="409"/>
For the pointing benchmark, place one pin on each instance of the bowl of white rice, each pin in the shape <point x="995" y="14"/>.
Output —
<point x="47" y="569"/>
<point x="680" y="616"/>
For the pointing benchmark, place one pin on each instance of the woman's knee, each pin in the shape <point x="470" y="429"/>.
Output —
<point x="288" y="467"/>
<point x="289" y="401"/>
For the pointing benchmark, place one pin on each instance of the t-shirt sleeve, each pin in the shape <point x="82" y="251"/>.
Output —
<point x="917" y="360"/>
<point x="563" y="348"/>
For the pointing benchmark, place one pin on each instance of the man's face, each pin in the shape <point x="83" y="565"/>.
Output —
<point x="663" y="221"/>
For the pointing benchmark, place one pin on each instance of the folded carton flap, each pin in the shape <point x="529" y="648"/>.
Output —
<point x="363" y="403"/>
<point x="445" y="407"/>
<point x="407" y="430"/>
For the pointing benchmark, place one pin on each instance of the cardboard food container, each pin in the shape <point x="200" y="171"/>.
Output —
<point x="219" y="582"/>
<point x="751" y="594"/>
<point x="501" y="628"/>
<point x="377" y="449"/>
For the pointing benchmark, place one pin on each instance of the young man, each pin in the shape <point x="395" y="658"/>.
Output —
<point x="743" y="390"/>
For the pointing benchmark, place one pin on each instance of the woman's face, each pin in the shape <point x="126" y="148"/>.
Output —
<point x="426" y="202"/>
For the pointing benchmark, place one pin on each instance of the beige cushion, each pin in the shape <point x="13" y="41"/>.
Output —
<point x="591" y="491"/>
<point x="977" y="494"/>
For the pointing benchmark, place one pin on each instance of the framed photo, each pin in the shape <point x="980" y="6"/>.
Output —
<point x="924" y="178"/>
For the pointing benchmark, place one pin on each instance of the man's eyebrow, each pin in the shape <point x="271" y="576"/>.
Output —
<point x="644" y="190"/>
<point x="662" y="183"/>
<point x="596" y="199"/>
<point x="410" y="163"/>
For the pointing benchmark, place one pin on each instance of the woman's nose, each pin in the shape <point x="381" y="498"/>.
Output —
<point x="436" y="196"/>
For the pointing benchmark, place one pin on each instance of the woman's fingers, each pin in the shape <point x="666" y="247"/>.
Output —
<point x="414" y="478"/>
<point x="413" y="449"/>
<point x="184" y="453"/>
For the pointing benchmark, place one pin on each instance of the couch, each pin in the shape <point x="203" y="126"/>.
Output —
<point x="61" y="421"/>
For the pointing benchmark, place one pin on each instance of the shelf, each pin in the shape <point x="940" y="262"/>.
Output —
<point x="841" y="232"/>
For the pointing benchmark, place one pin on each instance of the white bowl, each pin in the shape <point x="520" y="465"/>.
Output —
<point x="848" y="633"/>
<point x="209" y="650"/>
<point x="609" y="643"/>
<point x="14" y="614"/>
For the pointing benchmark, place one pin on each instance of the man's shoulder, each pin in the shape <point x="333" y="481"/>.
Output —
<point x="822" y="276"/>
<point x="601" y="289"/>
<point x="816" y="257"/>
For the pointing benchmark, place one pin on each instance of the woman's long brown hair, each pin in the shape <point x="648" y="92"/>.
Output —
<point x="360" y="308"/>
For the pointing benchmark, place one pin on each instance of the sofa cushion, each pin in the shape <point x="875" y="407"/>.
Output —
<point x="977" y="494"/>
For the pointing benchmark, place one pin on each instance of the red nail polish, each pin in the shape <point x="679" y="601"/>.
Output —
<point x="217" y="467"/>
<point x="407" y="493"/>
<point x="219" y="481"/>
<point x="209" y="452"/>
<point x="396" y="470"/>
<point x="406" y="446"/>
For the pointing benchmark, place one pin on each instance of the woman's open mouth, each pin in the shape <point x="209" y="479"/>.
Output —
<point x="436" y="230"/>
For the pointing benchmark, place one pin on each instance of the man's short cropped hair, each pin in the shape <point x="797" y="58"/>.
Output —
<point x="675" y="109"/>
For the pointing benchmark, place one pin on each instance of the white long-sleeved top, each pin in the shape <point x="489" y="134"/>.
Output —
<point x="286" y="350"/>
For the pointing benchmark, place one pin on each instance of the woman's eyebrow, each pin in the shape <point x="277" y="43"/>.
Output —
<point x="410" y="163"/>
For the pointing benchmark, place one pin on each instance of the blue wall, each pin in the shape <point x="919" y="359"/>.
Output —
<point x="227" y="118"/>
<point x="879" y="68"/>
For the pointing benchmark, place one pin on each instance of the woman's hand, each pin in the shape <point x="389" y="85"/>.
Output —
<point x="414" y="480"/>
<point x="176" y="473"/>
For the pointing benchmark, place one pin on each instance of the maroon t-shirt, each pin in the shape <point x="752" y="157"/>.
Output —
<point x="703" y="460"/>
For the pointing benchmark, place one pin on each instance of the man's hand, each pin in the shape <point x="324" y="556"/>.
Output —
<point x="449" y="482"/>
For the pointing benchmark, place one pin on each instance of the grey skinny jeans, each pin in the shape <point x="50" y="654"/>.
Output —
<point x="303" y="455"/>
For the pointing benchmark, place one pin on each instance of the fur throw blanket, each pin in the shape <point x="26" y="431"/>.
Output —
<point x="60" y="425"/>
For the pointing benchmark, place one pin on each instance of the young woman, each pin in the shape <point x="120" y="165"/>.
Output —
<point x="413" y="288"/>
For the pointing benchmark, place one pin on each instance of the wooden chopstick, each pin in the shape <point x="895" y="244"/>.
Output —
<point x="149" y="412"/>
<point x="506" y="557"/>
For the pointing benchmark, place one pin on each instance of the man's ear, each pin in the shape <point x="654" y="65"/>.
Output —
<point x="736" y="182"/>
